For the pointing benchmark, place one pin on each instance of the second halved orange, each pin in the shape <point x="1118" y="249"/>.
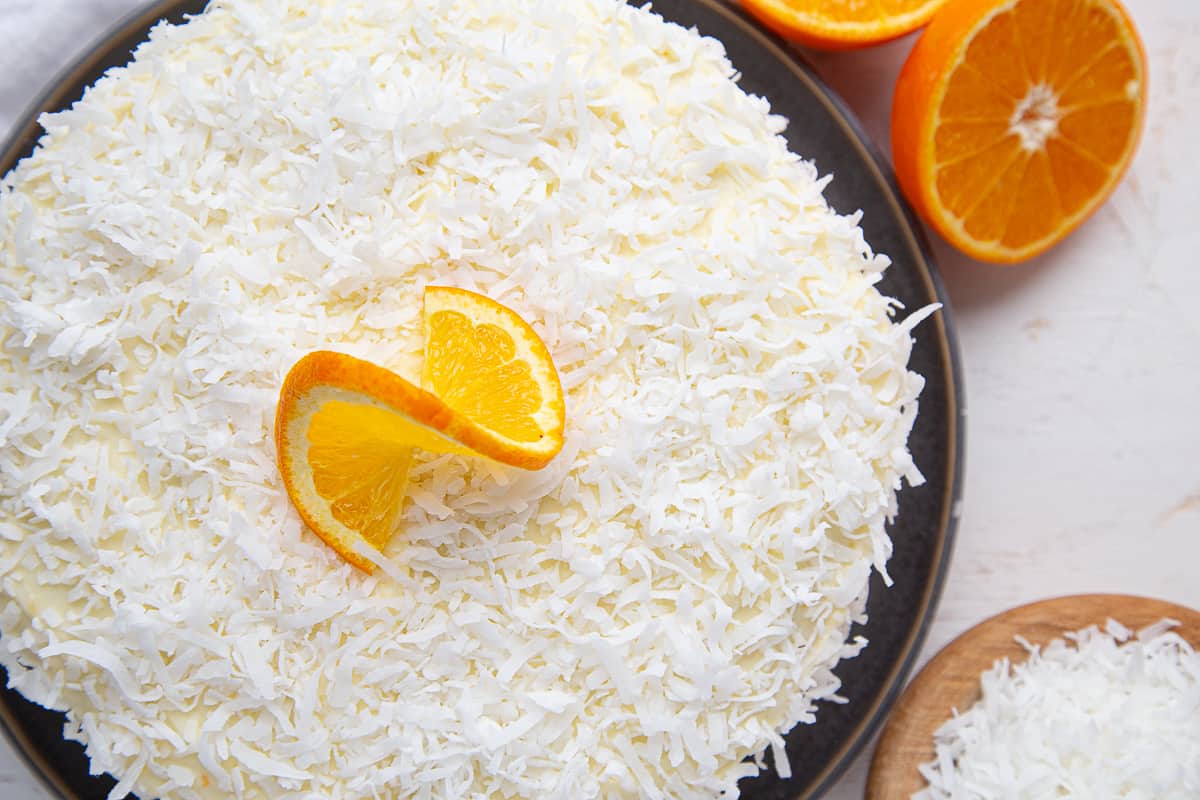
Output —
<point x="1013" y="120"/>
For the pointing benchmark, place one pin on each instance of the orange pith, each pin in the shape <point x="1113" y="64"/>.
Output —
<point x="1013" y="120"/>
<point x="346" y="428"/>
<point x="842" y="24"/>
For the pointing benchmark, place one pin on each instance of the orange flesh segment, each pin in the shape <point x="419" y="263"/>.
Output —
<point x="490" y="366"/>
<point x="368" y="498"/>
<point x="852" y="11"/>
<point x="842" y="24"/>
<point x="474" y="370"/>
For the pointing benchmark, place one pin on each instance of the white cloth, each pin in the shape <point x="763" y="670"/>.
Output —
<point x="39" y="38"/>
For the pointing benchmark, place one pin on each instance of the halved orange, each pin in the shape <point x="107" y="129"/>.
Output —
<point x="1013" y="120"/>
<point x="842" y="24"/>
<point x="345" y="429"/>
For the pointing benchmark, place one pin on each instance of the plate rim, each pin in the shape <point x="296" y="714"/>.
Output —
<point x="131" y="30"/>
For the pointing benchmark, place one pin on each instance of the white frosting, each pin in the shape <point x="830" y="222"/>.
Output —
<point x="276" y="177"/>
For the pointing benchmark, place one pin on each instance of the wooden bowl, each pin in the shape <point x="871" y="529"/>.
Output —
<point x="952" y="679"/>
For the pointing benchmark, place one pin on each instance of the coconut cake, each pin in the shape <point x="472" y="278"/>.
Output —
<point x="644" y="617"/>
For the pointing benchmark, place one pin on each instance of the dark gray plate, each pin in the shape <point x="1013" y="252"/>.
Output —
<point x="821" y="129"/>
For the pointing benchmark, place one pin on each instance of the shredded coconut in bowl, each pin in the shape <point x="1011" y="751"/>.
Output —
<point x="664" y="600"/>
<point x="1100" y="715"/>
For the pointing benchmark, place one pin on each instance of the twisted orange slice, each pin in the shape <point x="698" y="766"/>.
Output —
<point x="345" y="429"/>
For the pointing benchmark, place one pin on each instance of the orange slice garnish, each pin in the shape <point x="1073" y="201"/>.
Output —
<point x="1013" y="120"/>
<point x="842" y="24"/>
<point x="345" y="429"/>
<point x="489" y="366"/>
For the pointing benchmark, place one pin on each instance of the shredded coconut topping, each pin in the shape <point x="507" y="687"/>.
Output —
<point x="278" y="176"/>
<point x="1103" y="714"/>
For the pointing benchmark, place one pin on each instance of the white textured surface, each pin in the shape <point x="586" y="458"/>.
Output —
<point x="1082" y="367"/>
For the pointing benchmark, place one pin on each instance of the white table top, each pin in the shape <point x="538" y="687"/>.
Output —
<point x="1082" y="367"/>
